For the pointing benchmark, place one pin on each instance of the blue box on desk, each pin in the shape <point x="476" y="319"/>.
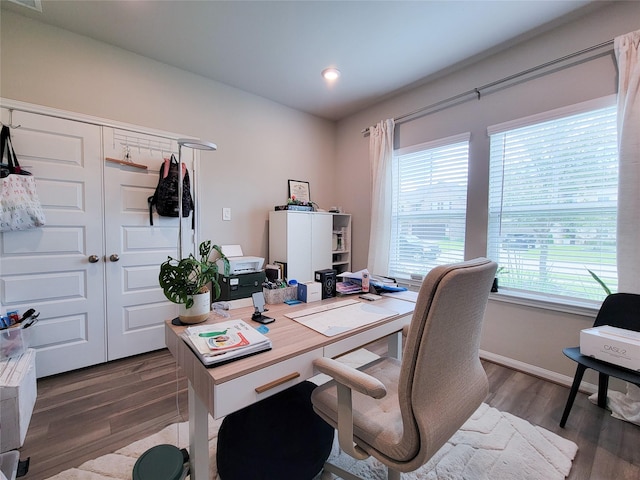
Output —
<point x="309" y="292"/>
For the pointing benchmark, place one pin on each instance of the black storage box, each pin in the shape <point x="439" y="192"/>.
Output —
<point x="327" y="279"/>
<point x="233" y="287"/>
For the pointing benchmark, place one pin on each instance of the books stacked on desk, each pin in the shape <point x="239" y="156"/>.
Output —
<point x="225" y="341"/>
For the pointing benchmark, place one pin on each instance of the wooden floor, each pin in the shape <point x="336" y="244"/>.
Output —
<point x="87" y="413"/>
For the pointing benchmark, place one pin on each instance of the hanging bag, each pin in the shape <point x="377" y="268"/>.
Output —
<point x="165" y="198"/>
<point x="20" y="207"/>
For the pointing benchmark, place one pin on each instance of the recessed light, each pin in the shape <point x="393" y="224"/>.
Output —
<point x="330" y="73"/>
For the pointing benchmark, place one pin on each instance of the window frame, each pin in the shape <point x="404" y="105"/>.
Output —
<point x="530" y="297"/>
<point x="408" y="276"/>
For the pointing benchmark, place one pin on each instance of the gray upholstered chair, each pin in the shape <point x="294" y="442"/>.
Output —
<point x="402" y="412"/>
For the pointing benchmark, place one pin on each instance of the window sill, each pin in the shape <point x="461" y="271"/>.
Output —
<point x="566" y="305"/>
<point x="574" y="306"/>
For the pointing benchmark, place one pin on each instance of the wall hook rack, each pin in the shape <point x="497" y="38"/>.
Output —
<point x="11" y="125"/>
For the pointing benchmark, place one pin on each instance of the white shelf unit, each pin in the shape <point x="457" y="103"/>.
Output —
<point x="341" y="243"/>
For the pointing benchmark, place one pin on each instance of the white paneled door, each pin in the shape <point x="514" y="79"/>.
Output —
<point x="48" y="268"/>
<point x="92" y="270"/>
<point x="136" y="306"/>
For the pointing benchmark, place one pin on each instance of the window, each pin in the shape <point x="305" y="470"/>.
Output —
<point x="429" y="206"/>
<point x="553" y="201"/>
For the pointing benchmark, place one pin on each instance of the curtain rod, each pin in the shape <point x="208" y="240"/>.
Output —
<point x="477" y="92"/>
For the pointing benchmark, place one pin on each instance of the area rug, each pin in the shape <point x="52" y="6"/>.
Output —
<point x="491" y="445"/>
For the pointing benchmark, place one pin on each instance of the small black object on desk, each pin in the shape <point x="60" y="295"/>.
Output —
<point x="260" y="318"/>
<point x="258" y="304"/>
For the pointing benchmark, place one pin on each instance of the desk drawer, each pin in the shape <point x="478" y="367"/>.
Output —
<point x="248" y="389"/>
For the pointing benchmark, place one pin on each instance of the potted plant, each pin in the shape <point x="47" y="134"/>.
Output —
<point x="185" y="282"/>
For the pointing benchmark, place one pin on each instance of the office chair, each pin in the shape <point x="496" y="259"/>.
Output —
<point x="620" y="310"/>
<point x="402" y="412"/>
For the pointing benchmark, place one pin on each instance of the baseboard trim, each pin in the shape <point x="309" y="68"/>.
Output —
<point x="543" y="373"/>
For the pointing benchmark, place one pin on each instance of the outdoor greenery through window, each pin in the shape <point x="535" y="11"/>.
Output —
<point x="553" y="202"/>
<point x="429" y="206"/>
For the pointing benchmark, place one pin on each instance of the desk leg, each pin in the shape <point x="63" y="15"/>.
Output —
<point x="394" y="345"/>
<point x="198" y="437"/>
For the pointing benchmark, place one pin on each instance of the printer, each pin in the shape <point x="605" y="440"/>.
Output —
<point x="239" y="263"/>
<point x="245" y="275"/>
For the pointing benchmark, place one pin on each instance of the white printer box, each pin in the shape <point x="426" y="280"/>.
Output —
<point x="611" y="344"/>
<point x="17" y="398"/>
<point x="309" y="292"/>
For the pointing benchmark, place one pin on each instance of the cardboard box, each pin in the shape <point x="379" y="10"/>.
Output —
<point x="17" y="398"/>
<point x="309" y="292"/>
<point x="611" y="344"/>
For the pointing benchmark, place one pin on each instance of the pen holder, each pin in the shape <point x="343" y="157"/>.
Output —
<point x="280" y="295"/>
<point x="14" y="341"/>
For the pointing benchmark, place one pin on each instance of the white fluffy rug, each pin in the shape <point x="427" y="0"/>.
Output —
<point x="491" y="445"/>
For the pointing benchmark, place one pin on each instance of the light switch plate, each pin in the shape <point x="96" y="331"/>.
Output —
<point x="226" y="213"/>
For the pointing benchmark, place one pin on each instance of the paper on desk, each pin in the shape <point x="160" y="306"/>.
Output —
<point x="333" y="321"/>
<point x="406" y="295"/>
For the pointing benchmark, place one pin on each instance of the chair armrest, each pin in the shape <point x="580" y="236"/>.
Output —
<point x="350" y="377"/>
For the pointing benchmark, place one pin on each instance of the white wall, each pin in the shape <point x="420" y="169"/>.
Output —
<point x="261" y="144"/>
<point x="525" y="334"/>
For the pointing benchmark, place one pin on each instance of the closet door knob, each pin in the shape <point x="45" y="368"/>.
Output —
<point x="114" y="257"/>
<point x="94" y="259"/>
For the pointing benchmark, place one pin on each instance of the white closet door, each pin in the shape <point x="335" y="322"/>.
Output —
<point x="48" y="268"/>
<point x="136" y="306"/>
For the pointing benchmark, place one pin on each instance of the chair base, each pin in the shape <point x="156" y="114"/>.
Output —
<point x="346" y="475"/>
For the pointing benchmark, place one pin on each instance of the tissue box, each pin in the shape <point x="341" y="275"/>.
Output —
<point x="309" y="292"/>
<point x="611" y="344"/>
<point x="17" y="398"/>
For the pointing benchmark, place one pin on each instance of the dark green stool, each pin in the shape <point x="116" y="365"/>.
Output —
<point x="162" y="462"/>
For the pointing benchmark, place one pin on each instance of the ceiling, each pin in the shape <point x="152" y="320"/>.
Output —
<point x="277" y="49"/>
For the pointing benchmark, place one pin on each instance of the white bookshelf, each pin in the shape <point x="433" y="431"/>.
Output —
<point x="341" y="243"/>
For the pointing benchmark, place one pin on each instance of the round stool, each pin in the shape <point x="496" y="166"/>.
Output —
<point x="162" y="462"/>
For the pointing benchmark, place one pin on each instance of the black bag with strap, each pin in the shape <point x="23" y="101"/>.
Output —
<point x="165" y="198"/>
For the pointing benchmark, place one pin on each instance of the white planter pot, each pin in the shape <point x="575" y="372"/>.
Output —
<point x="199" y="311"/>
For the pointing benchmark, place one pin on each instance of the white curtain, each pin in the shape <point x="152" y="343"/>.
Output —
<point x="627" y="51"/>
<point x="380" y="158"/>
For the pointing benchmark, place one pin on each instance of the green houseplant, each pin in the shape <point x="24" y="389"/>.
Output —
<point x="184" y="281"/>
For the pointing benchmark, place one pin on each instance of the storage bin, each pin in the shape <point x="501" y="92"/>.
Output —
<point x="280" y="295"/>
<point x="14" y="341"/>
<point x="18" y="391"/>
<point x="9" y="464"/>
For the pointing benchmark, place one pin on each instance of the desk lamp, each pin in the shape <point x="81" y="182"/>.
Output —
<point x="196" y="145"/>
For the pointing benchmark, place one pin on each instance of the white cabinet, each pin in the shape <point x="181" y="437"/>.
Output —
<point x="302" y="241"/>
<point x="341" y="243"/>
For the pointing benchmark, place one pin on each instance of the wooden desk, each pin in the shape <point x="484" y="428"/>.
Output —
<point x="226" y="388"/>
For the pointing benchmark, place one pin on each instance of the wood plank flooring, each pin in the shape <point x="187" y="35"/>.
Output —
<point x="87" y="413"/>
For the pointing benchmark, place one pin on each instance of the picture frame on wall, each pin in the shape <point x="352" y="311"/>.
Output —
<point x="300" y="190"/>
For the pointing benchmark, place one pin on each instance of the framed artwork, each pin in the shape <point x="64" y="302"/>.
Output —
<point x="300" y="190"/>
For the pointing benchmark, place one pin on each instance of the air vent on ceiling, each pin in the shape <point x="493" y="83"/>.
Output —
<point x="32" y="4"/>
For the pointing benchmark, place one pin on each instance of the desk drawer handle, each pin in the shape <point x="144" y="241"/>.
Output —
<point x="275" y="383"/>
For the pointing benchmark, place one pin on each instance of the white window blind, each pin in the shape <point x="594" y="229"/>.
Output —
<point x="429" y="206"/>
<point x="553" y="203"/>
